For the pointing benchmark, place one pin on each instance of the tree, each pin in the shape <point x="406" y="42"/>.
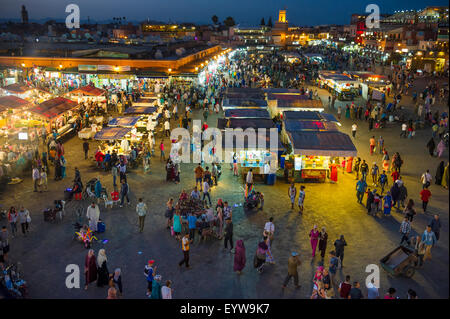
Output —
<point x="269" y="23"/>
<point x="229" y="22"/>
<point x="262" y="22"/>
<point x="215" y="19"/>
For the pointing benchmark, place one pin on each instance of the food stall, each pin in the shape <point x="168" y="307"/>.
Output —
<point x="282" y="91"/>
<point x="314" y="152"/>
<point x="245" y="123"/>
<point x="115" y="139"/>
<point x="339" y="84"/>
<point x="149" y="116"/>
<point x="12" y="110"/>
<point x="57" y="114"/>
<point x="146" y="101"/>
<point x="88" y="93"/>
<point x="20" y="90"/>
<point x="373" y="86"/>
<point x="124" y="121"/>
<point x="277" y="107"/>
<point x="247" y="113"/>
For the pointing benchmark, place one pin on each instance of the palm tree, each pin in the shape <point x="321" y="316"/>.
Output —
<point x="263" y="23"/>
<point x="229" y="22"/>
<point x="269" y="23"/>
<point x="215" y="19"/>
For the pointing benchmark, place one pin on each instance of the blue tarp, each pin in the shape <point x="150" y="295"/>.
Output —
<point x="281" y="91"/>
<point x="245" y="123"/>
<point x="247" y="113"/>
<point x="329" y="117"/>
<point x="328" y="143"/>
<point x="302" y="115"/>
<point x="141" y="110"/>
<point x="296" y="125"/>
<point x="244" y="103"/>
<point x="126" y="121"/>
<point x="112" y="133"/>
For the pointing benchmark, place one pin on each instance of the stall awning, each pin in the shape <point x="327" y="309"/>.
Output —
<point x="88" y="90"/>
<point x="262" y="140"/>
<point x="243" y="90"/>
<point x="287" y="97"/>
<point x="12" y="102"/>
<point x="309" y="116"/>
<point x="247" y="113"/>
<point x="146" y="102"/>
<point x="245" y="123"/>
<point x="329" y="143"/>
<point x="141" y="110"/>
<point x="244" y="103"/>
<point x="281" y="91"/>
<point x="17" y="88"/>
<point x="296" y="126"/>
<point x="300" y="103"/>
<point x="125" y="121"/>
<point x="112" y="133"/>
<point x="54" y="107"/>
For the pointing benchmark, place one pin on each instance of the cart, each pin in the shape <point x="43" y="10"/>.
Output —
<point x="400" y="261"/>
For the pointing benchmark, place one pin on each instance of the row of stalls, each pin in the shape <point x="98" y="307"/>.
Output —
<point x="310" y="140"/>
<point x="371" y="86"/>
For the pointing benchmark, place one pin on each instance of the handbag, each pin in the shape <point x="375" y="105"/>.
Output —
<point x="28" y="219"/>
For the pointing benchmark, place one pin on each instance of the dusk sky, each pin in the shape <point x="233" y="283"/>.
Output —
<point x="245" y="12"/>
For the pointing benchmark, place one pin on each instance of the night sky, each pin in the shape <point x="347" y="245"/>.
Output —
<point x="245" y="12"/>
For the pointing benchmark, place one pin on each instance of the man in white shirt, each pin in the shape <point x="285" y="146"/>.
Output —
<point x="404" y="127"/>
<point x="206" y="191"/>
<point x="269" y="227"/>
<point x="426" y="179"/>
<point x="195" y="193"/>
<point x="166" y="291"/>
<point x="167" y="128"/>
<point x="93" y="215"/>
<point x="354" y="127"/>
<point x="249" y="178"/>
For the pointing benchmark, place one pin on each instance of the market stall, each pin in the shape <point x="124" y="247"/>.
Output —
<point x="20" y="90"/>
<point x="57" y="115"/>
<point x="124" y="121"/>
<point x="339" y="84"/>
<point x="243" y="103"/>
<point x="146" y="101"/>
<point x="247" y="113"/>
<point x="115" y="139"/>
<point x="277" y="107"/>
<point x="316" y="154"/>
<point x="88" y="93"/>
<point x="245" y="123"/>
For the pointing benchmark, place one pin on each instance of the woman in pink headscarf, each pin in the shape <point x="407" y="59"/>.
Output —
<point x="314" y="238"/>
<point x="440" y="148"/>
<point x="239" y="256"/>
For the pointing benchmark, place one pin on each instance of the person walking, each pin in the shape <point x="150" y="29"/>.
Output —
<point x="86" y="149"/>
<point x="435" y="225"/>
<point x="301" y="199"/>
<point x="339" y="246"/>
<point x="292" y="193"/>
<point x="404" y="130"/>
<point x="374" y="172"/>
<point x="269" y="228"/>
<point x="206" y="191"/>
<point x="387" y="204"/>
<point x="381" y="145"/>
<point x="419" y="249"/>
<point x="344" y="288"/>
<point x="156" y="287"/>
<point x="166" y="291"/>
<point x="357" y="167"/>
<point x="426" y="179"/>
<point x="425" y="195"/>
<point x="115" y="173"/>
<point x="185" y="248"/>
<point x="333" y="265"/>
<point x="355" y="292"/>
<point x="431" y="145"/>
<point x="314" y="239"/>
<point x="228" y="234"/>
<point x="102" y="268"/>
<point x="354" y="127"/>
<point x="124" y="190"/>
<point x="249" y="179"/>
<point x="293" y="263"/>
<point x="383" y="181"/>
<point x="4" y="243"/>
<point x="12" y="219"/>
<point x="198" y="171"/>
<point x="405" y="229"/>
<point x="161" y="148"/>
<point x="24" y="218"/>
<point x="149" y="273"/>
<point x="141" y="210"/>
<point x="90" y="268"/>
<point x="116" y="280"/>
<point x="361" y="187"/>
<point x="323" y="238"/>
<point x="192" y="221"/>
<point x="93" y="216"/>
<point x="372" y="145"/>
<point x="36" y="178"/>
<point x="364" y="168"/>
<point x="429" y="239"/>
<point x="239" y="257"/>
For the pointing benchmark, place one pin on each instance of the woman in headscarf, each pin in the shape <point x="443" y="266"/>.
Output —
<point x="156" y="287"/>
<point x="90" y="268"/>
<point x="177" y="222"/>
<point x="444" y="182"/>
<point x="98" y="188"/>
<point x="395" y="193"/>
<point x="314" y="239"/>
<point x="387" y="204"/>
<point x="431" y="146"/>
<point x="260" y="257"/>
<point x="112" y="293"/>
<point x="409" y="210"/>
<point x="57" y="169"/>
<point x="116" y="280"/>
<point x="323" y="238"/>
<point x="239" y="257"/>
<point x="102" y="269"/>
<point x="439" y="173"/>
<point x="440" y="148"/>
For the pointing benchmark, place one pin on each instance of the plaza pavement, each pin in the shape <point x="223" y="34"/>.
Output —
<point x="49" y="247"/>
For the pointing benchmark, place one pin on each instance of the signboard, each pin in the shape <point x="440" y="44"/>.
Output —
<point x="87" y="68"/>
<point x="298" y="163"/>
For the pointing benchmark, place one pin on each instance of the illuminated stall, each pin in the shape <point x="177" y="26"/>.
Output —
<point x="278" y="105"/>
<point x="115" y="139"/>
<point x="339" y="84"/>
<point x="247" y="113"/>
<point x="316" y="154"/>
<point x="88" y="93"/>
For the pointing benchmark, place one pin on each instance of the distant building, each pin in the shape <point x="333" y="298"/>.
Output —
<point x="24" y="14"/>
<point x="280" y="29"/>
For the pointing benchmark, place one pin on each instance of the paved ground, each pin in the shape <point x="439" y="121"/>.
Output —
<point x="49" y="247"/>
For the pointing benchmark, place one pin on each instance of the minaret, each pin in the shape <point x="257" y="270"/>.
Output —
<point x="24" y="13"/>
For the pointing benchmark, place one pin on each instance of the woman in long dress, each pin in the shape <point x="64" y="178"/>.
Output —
<point x="444" y="182"/>
<point x="90" y="268"/>
<point x="314" y="239"/>
<point x="439" y="173"/>
<point x="177" y="222"/>
<point x="387" y="204"/>
<point x="102" y="269"/>
<point x="239" y="257"/>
